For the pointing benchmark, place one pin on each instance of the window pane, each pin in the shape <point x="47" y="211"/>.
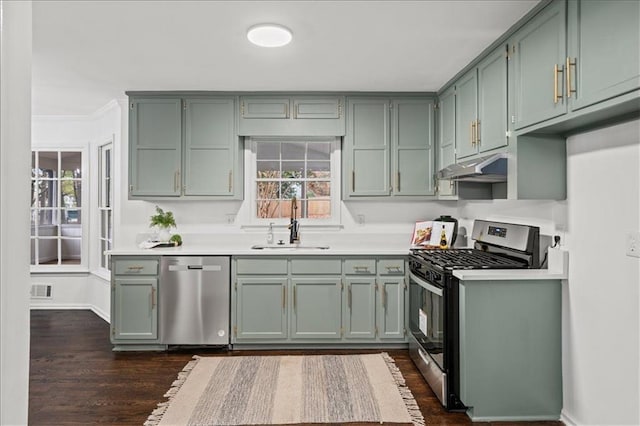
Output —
<point x="293" y="150"/>
<point x="71" y="250"/>
<point x="319" y="169"/>
<point x="47" y="251"/>
<point x="268" y="169"/>
<point x="318" y="150"/>
<point x="268" y="190"/>
<point x="47" y="217"/>
<point x="71" y="193"/>
<point x="291" y="189"/>
<point x="268" y="209"/>
<point x="43" y="193"/>
<point x="48" y="161"/>
<point x="319" y="209"/>
<point x="318" y="189"/>
<point x="292" y="169"/>
<point x="71" y="164"/>
<point x="268" y="150"/>
<point x="71" y="216"/>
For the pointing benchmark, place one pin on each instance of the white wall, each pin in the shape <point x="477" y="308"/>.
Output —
<point x="15" y="159"/>
<point x="601" y="329"/>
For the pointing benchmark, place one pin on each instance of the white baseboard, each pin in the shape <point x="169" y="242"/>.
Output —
<point x="566" y="419"/>
<point x="70" y="307"/>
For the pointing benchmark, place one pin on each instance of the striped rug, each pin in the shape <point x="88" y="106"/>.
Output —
<point x="259" y="390"/>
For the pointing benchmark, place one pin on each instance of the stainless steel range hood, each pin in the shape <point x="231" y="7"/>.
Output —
<point x="489" y="169"/>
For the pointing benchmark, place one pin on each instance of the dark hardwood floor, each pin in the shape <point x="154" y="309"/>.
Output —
<point x="76" y="379"/>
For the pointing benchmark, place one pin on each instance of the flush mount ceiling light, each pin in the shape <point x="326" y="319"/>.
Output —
<point x="269" y="35"/>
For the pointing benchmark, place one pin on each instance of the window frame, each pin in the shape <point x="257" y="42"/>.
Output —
<point x="105" y="205"/>
<point x="334" y="161"/>
<point x="83" y="208"/>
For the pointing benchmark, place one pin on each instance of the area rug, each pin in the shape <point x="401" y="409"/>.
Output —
<point x="259" y="390"/>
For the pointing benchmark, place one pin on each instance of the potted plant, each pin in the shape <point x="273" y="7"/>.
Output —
<point x="163" y="221"/>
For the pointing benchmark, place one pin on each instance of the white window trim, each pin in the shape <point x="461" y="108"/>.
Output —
<point x="251" y="186"/>
<point x="83" y="267"/>
<point x="102" y="271"/>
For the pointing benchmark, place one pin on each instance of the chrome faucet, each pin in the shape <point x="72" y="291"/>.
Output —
<point x="294" y="226"/>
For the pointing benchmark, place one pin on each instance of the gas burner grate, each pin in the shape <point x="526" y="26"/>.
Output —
<point x="467" y="259"/>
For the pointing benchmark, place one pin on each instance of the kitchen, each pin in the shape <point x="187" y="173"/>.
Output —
<point x="612" y="151"/>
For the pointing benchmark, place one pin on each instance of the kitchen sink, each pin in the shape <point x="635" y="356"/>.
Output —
<point x="288" y="246"/>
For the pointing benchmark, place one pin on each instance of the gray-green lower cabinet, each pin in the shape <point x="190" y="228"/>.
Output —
<point x="315" y="300"/>
<point x="134" y="301"/>
<point x="316" y="308"/>
<point x="359" y="313"/>
<point x="391" y="323"/>
<point x="511" y="349"/>
<point x="262" y="310"/>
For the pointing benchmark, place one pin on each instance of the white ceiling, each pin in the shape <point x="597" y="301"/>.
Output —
<point x="87" y="53"/>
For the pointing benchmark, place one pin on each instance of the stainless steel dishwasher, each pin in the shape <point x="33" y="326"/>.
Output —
<point x="194" y="298"/>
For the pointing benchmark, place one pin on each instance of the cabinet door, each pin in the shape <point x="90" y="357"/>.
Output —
<point x="604" y="39"/>
<point x="466" y="114"/>
<point x="135" y="309"/>
<point x="360" y="308"/>
<point x="539" y="47"/>
<point x="210" y="147"/>
<point x="317" y="108"/>
<point x="155" y="142"/>
<point x="367" y="146"/>
<point x="446" y="138"/>
<point x="492" y="101"/>
<point x="412" y="139"/>
<point x="391" y="308"/>
<point x="316" y="310"/>
<point x="261" y="306"/>
<point x="264" y="107"/>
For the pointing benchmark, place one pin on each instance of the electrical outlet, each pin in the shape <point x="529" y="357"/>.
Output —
<point x="230" y="218"/>
<point x="633" y="244"/>
<point x="360" y="219"/>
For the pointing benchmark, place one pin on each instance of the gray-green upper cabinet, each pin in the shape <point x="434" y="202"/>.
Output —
<point x="211" y="148"/>
<point x="538" y="51"/>
<point x="412" y="139"/>
<point x="482" y="106"/>
<point x="446" y="138"/>
<point x="312" y="115"/>
<point x="388" y="149"/>
<point x="604" y="53"/>
<point x="184" y="148"/>
<point x="367" y="147"/>
<point x="316" y="313"/>
<point x="155" y="147"/>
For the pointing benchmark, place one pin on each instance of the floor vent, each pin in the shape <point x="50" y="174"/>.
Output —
<point x="41" y="291"/>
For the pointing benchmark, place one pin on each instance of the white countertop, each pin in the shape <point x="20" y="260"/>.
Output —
<point x="231" y="250"/>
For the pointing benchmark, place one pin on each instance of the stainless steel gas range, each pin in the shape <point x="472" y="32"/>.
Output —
<point x="434" y="298"/>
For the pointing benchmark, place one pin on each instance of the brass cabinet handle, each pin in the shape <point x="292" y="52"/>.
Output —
<point x="472" y="133"/>
<point x="477" y="132"/>
<point x="135" y="268"/>
<point x="359" y="269"/>
<point x="295" y="298"/>
<point x="284" y="297"/>
<point x="153" y="298"/>
<point x="383" y="294"/>
<point x="230" y="180"/>
<point x="556" y="92"/>
<point x="353" y="181"/>
<point x="349" y="296"/>
<point x="570" y="64"/>
<point x="398" y="182"/>
<point x="392" y="268"/>
<point x="175" y="181"/>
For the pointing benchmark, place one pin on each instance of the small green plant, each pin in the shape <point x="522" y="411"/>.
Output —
<point x="163" y="219"/>
<point x="176" y="239"/>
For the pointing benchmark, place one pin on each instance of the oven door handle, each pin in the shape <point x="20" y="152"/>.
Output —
<point x="426" y="285"/>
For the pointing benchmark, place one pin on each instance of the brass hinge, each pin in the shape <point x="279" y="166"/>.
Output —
<point x="113" y="332"/>
<point x="513" y="119"/>
<point x="339" y="109"/>
<point x="242" y="109"/>
<point x="436" y="105"/>
<point x="184" y="105"/>
<point x="130" y="188"/>
<point x="131" y="105"/>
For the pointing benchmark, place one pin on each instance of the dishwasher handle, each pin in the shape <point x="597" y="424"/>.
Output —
<point x="179" y="268"/>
